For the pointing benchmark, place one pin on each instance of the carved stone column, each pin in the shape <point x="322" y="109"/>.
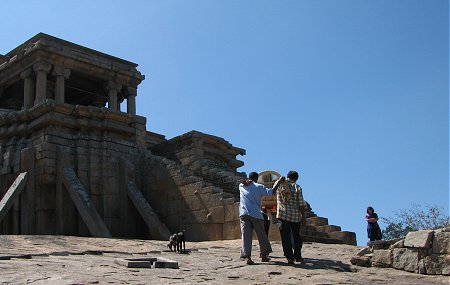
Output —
<point x="61" y="75"/>
<point x="131" y="100"/>
<point x="113" y="88"/>
<point x="41" y="69"/>
<point x="28" y="88"/>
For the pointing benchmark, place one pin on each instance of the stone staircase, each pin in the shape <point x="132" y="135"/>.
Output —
<point x="317" y="229"/>
<point x="208" y="165"/>
<point x="190" y="202"/>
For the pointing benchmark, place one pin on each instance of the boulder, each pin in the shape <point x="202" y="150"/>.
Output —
<point x="419" y="239"/>
<point x="382" y="258"/>
<point x="405" y="259"/>
<point x="344" y="236"/>
<point x="379" y="244"/>
<point x="437" y="264"/>
<point x="399" y="244"/>
<point x="364" y="251"/>
<point x="361" y="261"/>
<point x="441" y="242"/>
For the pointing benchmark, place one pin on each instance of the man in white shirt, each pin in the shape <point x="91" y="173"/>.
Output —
<point x="251" y="218"/>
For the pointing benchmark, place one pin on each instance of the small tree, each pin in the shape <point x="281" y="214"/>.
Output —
<point x="414" y="219"/>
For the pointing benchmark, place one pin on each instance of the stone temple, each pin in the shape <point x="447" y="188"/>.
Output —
<point x="73" y="163"/>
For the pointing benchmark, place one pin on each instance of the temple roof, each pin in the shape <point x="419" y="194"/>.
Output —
<point x="38" y="38"/>
<point x="61" y="52"/>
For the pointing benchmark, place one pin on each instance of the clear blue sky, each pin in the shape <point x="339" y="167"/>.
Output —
<point x="352" y="94"/>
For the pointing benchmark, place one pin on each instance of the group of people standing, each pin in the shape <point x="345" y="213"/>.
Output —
<point x="291" y="214"/>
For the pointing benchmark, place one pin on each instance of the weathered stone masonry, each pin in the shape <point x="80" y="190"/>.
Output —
<point x="60" y="111"/>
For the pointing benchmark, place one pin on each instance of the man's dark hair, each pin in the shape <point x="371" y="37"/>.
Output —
<point x="253" y="176"/>
<point x="292" y="175"/>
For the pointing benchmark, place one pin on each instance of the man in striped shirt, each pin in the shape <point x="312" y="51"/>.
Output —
<point x="291" y="208"/>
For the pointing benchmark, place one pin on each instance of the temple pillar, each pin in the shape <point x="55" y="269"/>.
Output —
<point x="131" y="100"/>
<point x="61" y="75"/>
<point x="28" y="88"/>
<point x="113" y="88"/>
<point x="41" y="69"/>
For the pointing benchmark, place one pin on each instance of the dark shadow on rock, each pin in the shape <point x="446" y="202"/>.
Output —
<point x="186" y="252"/>
<point x="314" y="263"/>
<point x="281" y="263"/>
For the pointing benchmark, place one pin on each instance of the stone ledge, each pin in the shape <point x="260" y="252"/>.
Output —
<point x="147" y="262"/>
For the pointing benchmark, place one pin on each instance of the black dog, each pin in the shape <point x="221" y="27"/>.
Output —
<point x="178" y="242"/>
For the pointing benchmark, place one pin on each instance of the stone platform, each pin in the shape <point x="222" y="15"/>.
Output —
<point x="77" y="260"/>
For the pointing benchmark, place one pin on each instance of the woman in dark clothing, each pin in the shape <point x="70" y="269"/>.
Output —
<point x="373" y="229"/>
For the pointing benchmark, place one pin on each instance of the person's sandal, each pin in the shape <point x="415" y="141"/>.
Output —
<point x="301" y="260"/>
<point x="250" y="261"/>
<point x="265" y="259"/>
<point x="291" y="261"/>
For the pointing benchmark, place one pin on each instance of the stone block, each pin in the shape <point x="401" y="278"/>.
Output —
<point x="437" y="264"/>
<point x="211" y="189"/>
<point x="364" y="251"/>
<point x="441" y="242"/>
<point x="405" y="259"/>
<point x="361" y="261"/>
<point x="382" y="244"/>
<point x="114" y="225"/>
<point x="419" y="239"/>
<point x="211" y="215"/>
<point x="399" y="244"/>
<point x="317" y="221"/>
<point x="46" y="197"/>
<point x="190" y="189"/>
<point x="173" y="207"/>
<point x="232" y="230"/>
<point x="174" y="222"/>
<point x="382" y="258"/>
<point x="111" y="206"/>
<point x="202" y="201"/>
<point x="200" y="232"/>
<point x="216" y="215"/>
<point x="331" y="228"/>
<point x="112" y="186"/>
<point x="231" y="211"/>
<point x="45" y="222"/>
<point x="344" y="236"/>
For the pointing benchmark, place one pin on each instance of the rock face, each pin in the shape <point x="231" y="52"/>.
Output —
<point x="437" y="264"/>
<point x="405" y="259"/>
<point x="60" y="113"/>
<point x="419" y="239"/>
<point x="92" y="261"/>
<point x="382" y="258"/>
<point x="441" y="242"/>
<point x="424" y="252"/>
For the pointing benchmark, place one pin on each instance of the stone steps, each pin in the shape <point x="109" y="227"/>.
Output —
<point x="320" y="240"/>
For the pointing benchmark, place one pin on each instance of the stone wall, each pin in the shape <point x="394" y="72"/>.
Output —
<point x="106" y="150"/>
<point x="424" y="252"/>
<point x="51" y="136"/>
